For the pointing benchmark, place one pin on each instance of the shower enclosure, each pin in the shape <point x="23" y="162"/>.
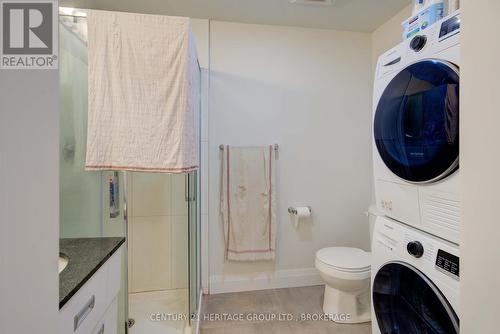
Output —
<point x="99" y="204"/>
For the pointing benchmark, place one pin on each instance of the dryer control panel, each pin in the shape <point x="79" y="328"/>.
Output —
<point x="448" y="263"/>
<point x="450" y="27"/>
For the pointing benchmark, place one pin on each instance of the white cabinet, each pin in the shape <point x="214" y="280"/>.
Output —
<point x="93" y="309"/>
<point x="108" y="324"/>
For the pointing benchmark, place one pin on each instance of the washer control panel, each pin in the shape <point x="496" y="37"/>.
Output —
<point x="448" y="263"/>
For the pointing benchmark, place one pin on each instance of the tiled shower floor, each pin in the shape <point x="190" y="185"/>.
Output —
<point x="142" y="305"/>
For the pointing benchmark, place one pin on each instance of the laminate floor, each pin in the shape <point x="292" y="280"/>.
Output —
<point x="270" y="311"/>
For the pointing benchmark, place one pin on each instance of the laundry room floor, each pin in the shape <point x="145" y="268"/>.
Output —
<point x="299" y="302"/>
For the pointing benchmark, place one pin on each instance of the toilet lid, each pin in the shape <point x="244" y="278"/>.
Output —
<point x="345" y="258"/>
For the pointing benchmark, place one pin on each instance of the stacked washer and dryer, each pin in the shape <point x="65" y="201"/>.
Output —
<point x="415" y="252"/>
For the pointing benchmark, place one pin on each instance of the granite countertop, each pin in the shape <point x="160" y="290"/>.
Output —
<point x="86" y="256"/>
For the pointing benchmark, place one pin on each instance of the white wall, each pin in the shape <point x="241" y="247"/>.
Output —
<point x="479" y="165"/>
<point x="158" y="227"/>
<point x="388" y="34"/>
<point x="29" y="201"/>
<point x="310" y="92"/>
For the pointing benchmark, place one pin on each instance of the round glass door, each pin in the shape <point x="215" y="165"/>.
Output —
<point x="416" y="122"/>
<point x="407" y="302"/>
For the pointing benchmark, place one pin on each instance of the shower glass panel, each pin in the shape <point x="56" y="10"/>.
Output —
<point x="80" y="191"/>
<point x="87" y="205"/>
<point x="194" y="241"/>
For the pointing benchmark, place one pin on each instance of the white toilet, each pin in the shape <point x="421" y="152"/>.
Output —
<point x="346" y="272"/>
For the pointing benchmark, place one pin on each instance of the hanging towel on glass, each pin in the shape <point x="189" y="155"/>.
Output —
<point x="144" y="93"/>
<point x="248" y="203"/>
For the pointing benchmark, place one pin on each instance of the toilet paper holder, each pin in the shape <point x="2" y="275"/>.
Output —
<point x="293" y="211"/>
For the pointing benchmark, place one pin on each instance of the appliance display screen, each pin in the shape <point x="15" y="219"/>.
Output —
<point x="449" y="26"/>
<point x="448" y="262"/>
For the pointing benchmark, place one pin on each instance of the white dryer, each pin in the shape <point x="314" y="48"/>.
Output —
<point x="416" y="130"/>
<point x="415" y="281"/>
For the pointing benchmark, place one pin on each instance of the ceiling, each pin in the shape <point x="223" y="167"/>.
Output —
<point x="352" y="15"/>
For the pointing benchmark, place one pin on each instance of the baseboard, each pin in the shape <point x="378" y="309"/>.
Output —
<point x="262" y="281"/>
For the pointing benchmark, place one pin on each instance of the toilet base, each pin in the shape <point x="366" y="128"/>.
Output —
<point x="347" y="307"/>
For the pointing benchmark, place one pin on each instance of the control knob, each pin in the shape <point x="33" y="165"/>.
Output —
<point x="415" y="248"/>
<point x="418" y="42"/>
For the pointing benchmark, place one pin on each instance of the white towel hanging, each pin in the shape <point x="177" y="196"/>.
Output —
<point x="248" y="203"/>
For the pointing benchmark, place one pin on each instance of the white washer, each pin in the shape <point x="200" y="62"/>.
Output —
<point x="416" y="130"/>
<point x="415" y="281"/>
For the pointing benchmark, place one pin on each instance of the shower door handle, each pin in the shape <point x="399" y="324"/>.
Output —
<point x="186" y="187"/>
<point x="189" y="194"/>
<point x="192" y="186"/>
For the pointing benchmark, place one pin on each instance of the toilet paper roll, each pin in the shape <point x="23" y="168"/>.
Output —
<point x="301" y="212"/>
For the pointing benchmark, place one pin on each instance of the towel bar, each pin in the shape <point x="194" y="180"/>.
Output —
<point x="221" y="147"/>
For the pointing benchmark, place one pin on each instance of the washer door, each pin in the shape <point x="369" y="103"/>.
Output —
<point x="416" y="122"/>
<point x="406" y="302"/>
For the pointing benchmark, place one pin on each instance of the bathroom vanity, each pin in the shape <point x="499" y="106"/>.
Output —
<point x="89" y="285"/>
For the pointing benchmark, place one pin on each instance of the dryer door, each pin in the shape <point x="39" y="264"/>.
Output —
<point x="405" y="301"/>
<point x="416" y="122"/>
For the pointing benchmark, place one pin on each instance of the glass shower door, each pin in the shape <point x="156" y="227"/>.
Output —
<point x="85" y="197"/>
<point x="80" y="191"/>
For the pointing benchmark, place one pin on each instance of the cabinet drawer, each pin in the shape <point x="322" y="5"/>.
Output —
<point x="82" y="312"/>
<point x="114" y="275"/>
<point x="108" y="324"/>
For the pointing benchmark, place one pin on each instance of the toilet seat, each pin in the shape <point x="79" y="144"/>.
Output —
<point x="345" y="259"/>
<point x="346" y="273"/>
